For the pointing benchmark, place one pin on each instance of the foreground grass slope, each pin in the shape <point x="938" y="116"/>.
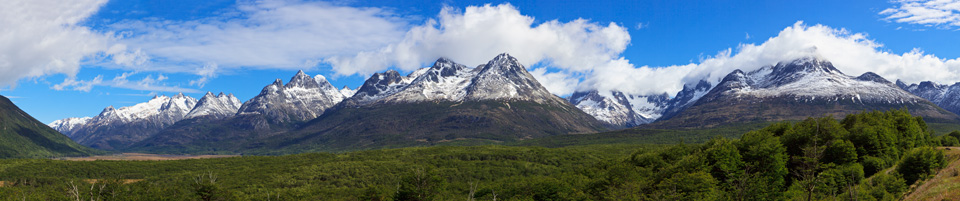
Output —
<point x="945" y="185"/>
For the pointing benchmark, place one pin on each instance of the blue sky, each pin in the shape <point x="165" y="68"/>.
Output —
<point x="144" y="48"/>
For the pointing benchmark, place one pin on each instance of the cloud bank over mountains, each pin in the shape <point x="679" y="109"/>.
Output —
<point x="47" y="37"/>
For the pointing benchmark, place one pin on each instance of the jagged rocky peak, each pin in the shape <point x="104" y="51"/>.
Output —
<point x="445" y="80"/>
<point x="504" y="78"/>
<point x="347" y="92"/>
<point x="179" y="103"/>
<point x="442" y="68"/>
<point x="303" y="80"/>
<point x="735" y="80"/>
<point x="687" y="96"/>
<point x="108" y="109"/>
<point x="215" y="106"/>
<point x="378" y="86"/>
<point x="603" y="108"/>
<point x="873" y="77"/>
<point x="301" y="99"/>
<point x="69" y="125"/>
<point x="792" y="71"/>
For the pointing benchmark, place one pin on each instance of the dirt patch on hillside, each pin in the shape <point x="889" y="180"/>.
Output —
<point x="125" y="181"/>
<point x="146" y="157"/>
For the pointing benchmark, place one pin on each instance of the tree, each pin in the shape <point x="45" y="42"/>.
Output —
<point x="419" y="186"/>
<point x="919" y="163"/>
<point x="688" y="186"/>
<point x="765" y="166"/>
<point x="808" y="139"/>
<point x="840" y="152"/>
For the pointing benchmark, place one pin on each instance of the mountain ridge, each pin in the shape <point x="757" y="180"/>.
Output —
<point x="797" y="89"/>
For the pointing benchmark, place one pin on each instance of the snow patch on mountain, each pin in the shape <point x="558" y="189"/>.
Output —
<point x="347" y="92"/>
<point x="620" y="109"/>
<point x="160" y="109"/>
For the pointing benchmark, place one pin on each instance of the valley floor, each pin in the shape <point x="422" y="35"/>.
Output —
<point x="144" y="157"/>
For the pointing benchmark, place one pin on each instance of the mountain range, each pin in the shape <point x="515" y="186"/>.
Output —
<point x="493" y="102"/>
<point x="790" y="90"/>
<point x="945" y="96"/>
<point x="496" y="101"/>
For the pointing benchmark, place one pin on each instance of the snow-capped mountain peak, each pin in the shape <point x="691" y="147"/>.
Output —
<point x="945" y="96"/>
<point x="301" y="99"/>
<point x="118" y="126"/>
<point x="69" y="125"/>
<point x="810" y="79"/>
<point x="621" y="109"/>
<point x="505" y="78"/>
<point x="445" y="80"/>
<point x="502" y="78"/>
<point x="215" y="106"/>
<point x="347" y="92"/>
<point x="380" y="85"/>
<point x="302" y="80"/>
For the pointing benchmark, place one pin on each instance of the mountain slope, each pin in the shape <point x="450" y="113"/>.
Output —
<point x="795" y="90"/>
<point x="22" y="136"/>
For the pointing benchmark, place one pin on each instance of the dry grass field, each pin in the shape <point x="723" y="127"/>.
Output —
<point x="145" y="157"/>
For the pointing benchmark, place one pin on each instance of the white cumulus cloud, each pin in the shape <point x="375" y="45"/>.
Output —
<point x="268" y="34"/>
<point x="147" y="83"/>
<point x="478" y="33"/>
<point x="44" y="37"/>
<point x="940" y="13"/>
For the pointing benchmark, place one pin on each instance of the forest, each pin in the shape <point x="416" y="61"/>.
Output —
<point x="867" y="156"/>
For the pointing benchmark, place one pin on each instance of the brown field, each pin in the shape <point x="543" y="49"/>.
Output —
<point x="145" y="157"/>
<point x="125" y="181"/>
<point x="945" y="185"/>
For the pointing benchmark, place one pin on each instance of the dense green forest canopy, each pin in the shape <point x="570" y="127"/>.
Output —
<point x="867" y="156"/>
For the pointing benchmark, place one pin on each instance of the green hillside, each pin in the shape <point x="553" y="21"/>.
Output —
<point x="22" y="136"/>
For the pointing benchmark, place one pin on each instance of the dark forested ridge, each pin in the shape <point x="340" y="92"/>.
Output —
<point x="867" y="156"/>
<point x="22" y="136"/>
